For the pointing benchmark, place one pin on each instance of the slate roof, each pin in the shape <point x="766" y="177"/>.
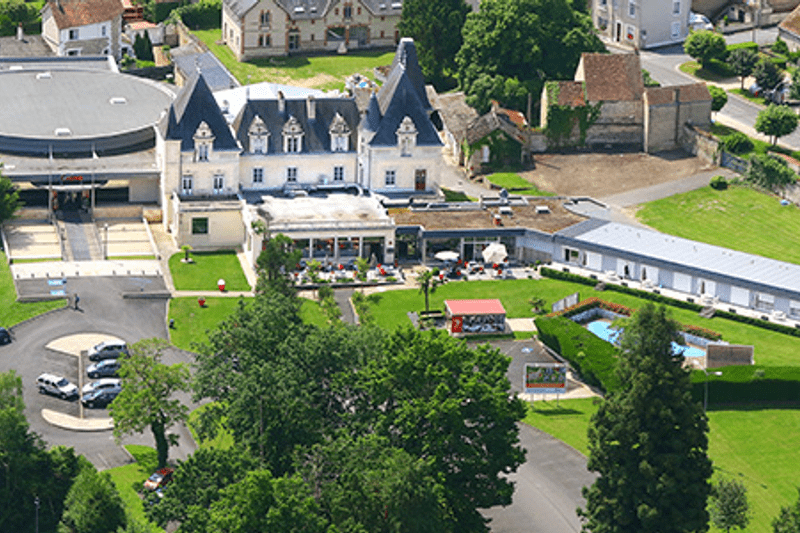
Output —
<point x="402" y="95"/>
<point x="612" y="77"/>
<point x="76" y="13"/>
<point x="196" y="104"/>
<point x="316" y="136"/>
<point x="29" y="46"/>
<point x="491" y="121"/>
<point x="317" y="9"/>
<point x="456" y="114"/>
<point x="791" y="23"/>
<point x="189" y="62"/>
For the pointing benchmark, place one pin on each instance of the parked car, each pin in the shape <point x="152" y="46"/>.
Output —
<point x="699" y="22"/>
<point x="57" y="386"/>
<point x="159" y="479"/>
<point x="5" y="336"/>
<point x="103" y="369"/>
<point x="104" y="383"/>
<point x="108" y="350"/>
<point x="100" y="397"/>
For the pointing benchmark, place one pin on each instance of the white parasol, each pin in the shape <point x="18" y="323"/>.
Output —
<point x="446" y="255"/>
<point x="494" y="253"/>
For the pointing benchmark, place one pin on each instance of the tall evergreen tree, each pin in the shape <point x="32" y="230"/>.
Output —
<point x="648" y="441"/>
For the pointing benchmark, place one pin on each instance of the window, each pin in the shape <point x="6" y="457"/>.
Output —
<point x="603" y="3"/>
<point x="338" y="173"/>
<point x="419" y="179"/>
<point x="676" y="7"/>
<point x="630" y="33"/>
<point x="348" y="12"/>
<point x="764" y="301"/>
<point x="202" y="152"/>
<point x="265" y="18"/>
<point x="264" y="39"/>
<point x="391" y="178"/>
<point x="292" y="144"/>
<point x="359" y="10"/>
<point x="631" y="8"/>
<point x="186" y="184"/>
<point x="258" y="175"/>
<point x="336" y="11"/>
<point x="291" y="174"/>
<point x="294" y="40"/>
<point x="73" y="52"/>
<point x="484" y="154"/>
<point x="200" y="226"/>
<point x="103" y="31"/>
<point x="218" y="183"/>
<point x="794" y="309"/>
<point x="675" y="29"/>
<point x="73" y="35"/>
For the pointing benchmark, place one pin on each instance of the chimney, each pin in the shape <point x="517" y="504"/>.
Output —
<point x="311" y="108"/>
<point x="281" y="103"/>
<point x="20" y="32"/>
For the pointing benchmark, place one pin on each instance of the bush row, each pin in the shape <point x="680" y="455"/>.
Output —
<point x="780" y="328"/>
<point x="737" y="46"/>
<point x="748" y="384"/>
<point x="594" y="359"/>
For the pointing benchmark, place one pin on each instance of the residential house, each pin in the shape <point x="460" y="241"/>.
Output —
<point x="84" y="27"/>
<point x="263" y="28"/>
<point x="642" y="23"/>
<point x="497" y="139"/>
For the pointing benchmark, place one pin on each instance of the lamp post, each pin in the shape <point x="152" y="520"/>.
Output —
<point x="705" y="395"/>
<point x="105" y="227"/>
<point x="36" y="503"/>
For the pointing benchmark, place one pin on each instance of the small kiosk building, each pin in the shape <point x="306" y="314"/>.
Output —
<point x="471" y="317"/>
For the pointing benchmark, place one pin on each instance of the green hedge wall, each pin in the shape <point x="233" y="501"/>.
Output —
<point x="749" y="384"/>
<point x="598" y="365"/>
<point x="751" y="46"/>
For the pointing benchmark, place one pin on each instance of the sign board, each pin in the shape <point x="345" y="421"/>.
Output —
<point x="569" y="301"/>
<point x="545" y="378"/>
<point x="457" y="324"/>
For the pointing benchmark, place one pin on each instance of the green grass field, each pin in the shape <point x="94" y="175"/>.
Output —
<point x="718" y="71"/>
<point x="771" y="348"/>
<point x="12" y="312"/>
<point x="207" y="268"/>
<point x="329" y="71"/>
<point x="757" y="446"/>
<point x="192" y="322"/>
<point x="510" y="180"/>
<point x="738" y="218"/>
<point x="129" y="480"/>
<point x="744" y="93"/>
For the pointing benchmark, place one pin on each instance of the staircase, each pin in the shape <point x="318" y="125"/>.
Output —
<point x="707" y="312"/>
<point x="81" y="239"/>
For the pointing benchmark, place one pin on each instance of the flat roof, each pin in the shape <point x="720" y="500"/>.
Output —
<point x="63" y="104"/>
<point x="333" y="208"/>
<point x="474" y="307"/>
<point x="692" y="254"/>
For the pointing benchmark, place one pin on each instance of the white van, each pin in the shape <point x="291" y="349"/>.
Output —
<point x="57" y="386"/>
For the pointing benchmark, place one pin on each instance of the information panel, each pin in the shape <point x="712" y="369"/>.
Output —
<point x="545" y="378"/>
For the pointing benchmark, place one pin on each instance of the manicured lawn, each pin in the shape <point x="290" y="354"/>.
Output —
<point x="36" y="260"/>
<point x="771" y="348"/>
<point x="132" y="257"/>
<point x="192" y="322"/>
<point x="744" y="93"/>
<point x="510" y="180"/>
<point x="207" y="268"/>
<point x="738" y="218"/>
<point x="708" y="74"/>
<point x="757" y="446"/>
<point x="12" y="312"/>
<point x="454" y="196"/>
<point x="328" y="72"/>
<point x="129" y="480"/>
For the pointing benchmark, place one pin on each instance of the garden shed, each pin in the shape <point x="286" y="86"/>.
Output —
<point x="475" y="317"/>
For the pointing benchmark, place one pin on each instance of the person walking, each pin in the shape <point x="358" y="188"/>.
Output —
<point x="77" y="301"/>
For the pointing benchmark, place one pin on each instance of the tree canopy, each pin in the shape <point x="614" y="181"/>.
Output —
<point x="436" y="30"/>
<point x="93" y="504"/>
<point x="276" y="261"/>
<point x="705" y="46"/>
<point x="718" y="97"/>
<point x="147" y="398"/>
<point x="767" y="74"/>
<point x="770" y="172"/>
<point x="511" y="47"/>
<point x="788" y="521"/>
<point x="9" y="199"/>
<point x="729" y="505"/>
<point x="742" y="61"/>
<point x="648" y="440"/>
<point x="776" y="121"/>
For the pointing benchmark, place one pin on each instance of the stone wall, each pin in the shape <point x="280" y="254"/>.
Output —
<point x="699" y="143"/>
<point x="118" y="211"/>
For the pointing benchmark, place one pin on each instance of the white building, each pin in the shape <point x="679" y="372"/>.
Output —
<point x="83" y="27"/>
<point x="642" y="23"/>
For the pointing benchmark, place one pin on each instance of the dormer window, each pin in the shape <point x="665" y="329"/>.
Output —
<point x="340" y="134"/>
<point x="406" y="136"/>
<point x="203" y="142"/>
<point x="292" y="136"/>
<point x="258" y="135"/>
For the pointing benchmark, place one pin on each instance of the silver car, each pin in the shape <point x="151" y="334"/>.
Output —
<point x="100" y="384"/>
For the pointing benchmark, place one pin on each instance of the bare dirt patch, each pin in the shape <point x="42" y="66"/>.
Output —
<point x="599" y="175"/>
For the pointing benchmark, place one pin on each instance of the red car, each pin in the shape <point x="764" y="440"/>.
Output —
<point x="159" y="479"/>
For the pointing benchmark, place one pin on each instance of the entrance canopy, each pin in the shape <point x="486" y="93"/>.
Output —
<point x="72" y="187"/>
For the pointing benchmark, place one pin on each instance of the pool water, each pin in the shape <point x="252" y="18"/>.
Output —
<point x="607" y="333"/>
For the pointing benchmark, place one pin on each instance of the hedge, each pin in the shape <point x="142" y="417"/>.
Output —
<point x="764" y="324"/>
<point x="598" y="364"/>
<point x="748" y="384"/>
<point x="737" y="46"/>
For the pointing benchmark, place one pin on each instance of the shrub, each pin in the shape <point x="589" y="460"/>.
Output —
<point x="203" y="15"/>
<point x="588" y="355"/>
<point x="780" y="47"/>
<point x="748" y="384"/>
<point x="749" y="46"/>
<point x="779" y="61"/>
<point x="719" y="183"/>
<point x="737" y="143"/>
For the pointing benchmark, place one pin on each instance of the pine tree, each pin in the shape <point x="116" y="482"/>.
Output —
<point x="648" y="441"/>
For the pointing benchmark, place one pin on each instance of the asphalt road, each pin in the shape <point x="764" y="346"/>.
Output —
<point x="102" y="309"/>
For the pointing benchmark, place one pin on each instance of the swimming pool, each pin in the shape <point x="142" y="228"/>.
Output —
<point x="607" y="333"/>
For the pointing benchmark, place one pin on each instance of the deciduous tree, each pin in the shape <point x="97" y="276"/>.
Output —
<point x="776" y="121"/>
<point x="276" y="261"/>
<point x="788" y="521"/>
<point x="147" y="399"/>
<point x="742" y="61"/>
<point x="767" y="74"/>
<point x="718" y="97"/>
<point x="93" y="505"/>
<point x="9" y="199"/>
<point x="436" y="29"/>
<point x="648" y="440"/>
<point x="770" y="172"/>
<point x="704" y="46"/>
<point x="729" y="505"/>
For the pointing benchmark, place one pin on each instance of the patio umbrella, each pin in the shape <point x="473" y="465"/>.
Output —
<point x="494" y="253"/>
<point x="446" y="255"/>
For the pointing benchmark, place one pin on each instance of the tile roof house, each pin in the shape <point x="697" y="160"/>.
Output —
<point x="263" y="28"/>
<point x="84" y="27"/>
<point x="629" y="115"/>
<point x="644" y="24"/>
<point x="789" y="29"/>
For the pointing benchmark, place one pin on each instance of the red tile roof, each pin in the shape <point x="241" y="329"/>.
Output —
<point x="76" y="13"/>
<point x="141" y="25"/>
<point x="695" y="92"/>
<point x="571" y="93"/>
<point x="660" y="95"/>
<point x="612" y="77"/>
<point x="474" y="307"/>
<point x="791" y="23"/>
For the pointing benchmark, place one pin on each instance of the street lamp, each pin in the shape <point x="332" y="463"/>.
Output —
<point x="105" y="227"/>
<point x="36" y="503"/>
<point x="705" y="396"/>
